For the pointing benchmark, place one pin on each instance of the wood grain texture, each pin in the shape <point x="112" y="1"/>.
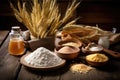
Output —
<point x="9" y="65"/>
<point x="3" y="35"/>
<point x="12" y="69"/>
<point x="91" y="12"/>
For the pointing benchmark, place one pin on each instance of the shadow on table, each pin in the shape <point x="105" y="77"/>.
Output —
<point x="52" y="72"/>
<point x="111" y="66"/>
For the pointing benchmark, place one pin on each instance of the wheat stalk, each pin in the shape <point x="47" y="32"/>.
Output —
<point x="44" y="19"/>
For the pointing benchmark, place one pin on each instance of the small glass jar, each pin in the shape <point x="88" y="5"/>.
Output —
<point x="104" y="42"/>
<point x="16" y="44"/>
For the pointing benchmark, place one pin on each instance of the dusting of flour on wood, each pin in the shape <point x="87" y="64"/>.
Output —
<point x="43" y="57"/>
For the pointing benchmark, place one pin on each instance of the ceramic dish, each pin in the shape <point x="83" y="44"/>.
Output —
<point x="88" y="51"/>
<point x="22" y="60"/>
<point x="92" y="48"/>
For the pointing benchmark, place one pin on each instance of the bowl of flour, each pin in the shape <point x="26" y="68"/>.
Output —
<point x="42" y="59"/>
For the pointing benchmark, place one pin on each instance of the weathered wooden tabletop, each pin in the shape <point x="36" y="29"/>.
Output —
<point x="12" y="69"/>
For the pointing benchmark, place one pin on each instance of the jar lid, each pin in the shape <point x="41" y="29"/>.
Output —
<point x="15" y="28"/>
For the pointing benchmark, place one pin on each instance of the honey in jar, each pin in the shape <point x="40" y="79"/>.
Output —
<point x="16" y="44"/>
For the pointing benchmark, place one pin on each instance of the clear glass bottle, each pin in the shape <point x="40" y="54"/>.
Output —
<point x="104" y="42"/>
<point x="16" y="44"/>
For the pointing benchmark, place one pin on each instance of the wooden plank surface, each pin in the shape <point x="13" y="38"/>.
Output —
<point x="30" y="74"/>
<point x="109" y="72"/>
<point x="3" y="35"/>
<point x="11" y="69"/>
<point x="9" y="65"/>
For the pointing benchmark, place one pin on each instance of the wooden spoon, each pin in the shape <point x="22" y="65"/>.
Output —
<point x="112" y="53"/>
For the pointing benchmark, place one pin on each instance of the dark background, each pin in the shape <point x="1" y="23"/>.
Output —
<point x="105" y="13"/>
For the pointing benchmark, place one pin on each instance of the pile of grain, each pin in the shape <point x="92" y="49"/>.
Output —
<point x="81" y="68"/>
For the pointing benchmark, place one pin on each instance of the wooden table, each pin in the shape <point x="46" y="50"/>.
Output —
<point x="12" y="69"/>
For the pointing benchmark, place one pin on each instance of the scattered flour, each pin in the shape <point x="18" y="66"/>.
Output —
<point x="42" y="57"/>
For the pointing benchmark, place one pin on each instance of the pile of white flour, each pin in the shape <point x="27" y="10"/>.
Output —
<point x="42" y="57"/>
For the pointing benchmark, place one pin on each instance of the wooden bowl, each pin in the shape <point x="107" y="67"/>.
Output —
<point x="69" y="54"/>
<point x="97" y="63"/>
<point x="48" y="68"/>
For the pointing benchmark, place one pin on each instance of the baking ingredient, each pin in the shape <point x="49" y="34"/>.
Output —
<point x="81" y="68"/>
<point x="43" y="57"/>
<point x="66" y="49"/>
<point x="97" y="57"/>
<point x="16" y="47"/>
<point x="16" y="44"/>
<point x="96" y="48"/>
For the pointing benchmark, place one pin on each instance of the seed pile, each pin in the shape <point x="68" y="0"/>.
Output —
<point x="81" y="68"/>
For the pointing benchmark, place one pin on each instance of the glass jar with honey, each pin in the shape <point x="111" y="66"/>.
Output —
<point x="16" y="44"/>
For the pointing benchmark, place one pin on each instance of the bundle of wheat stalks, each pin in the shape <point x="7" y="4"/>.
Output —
<point x="45" y="18"/>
